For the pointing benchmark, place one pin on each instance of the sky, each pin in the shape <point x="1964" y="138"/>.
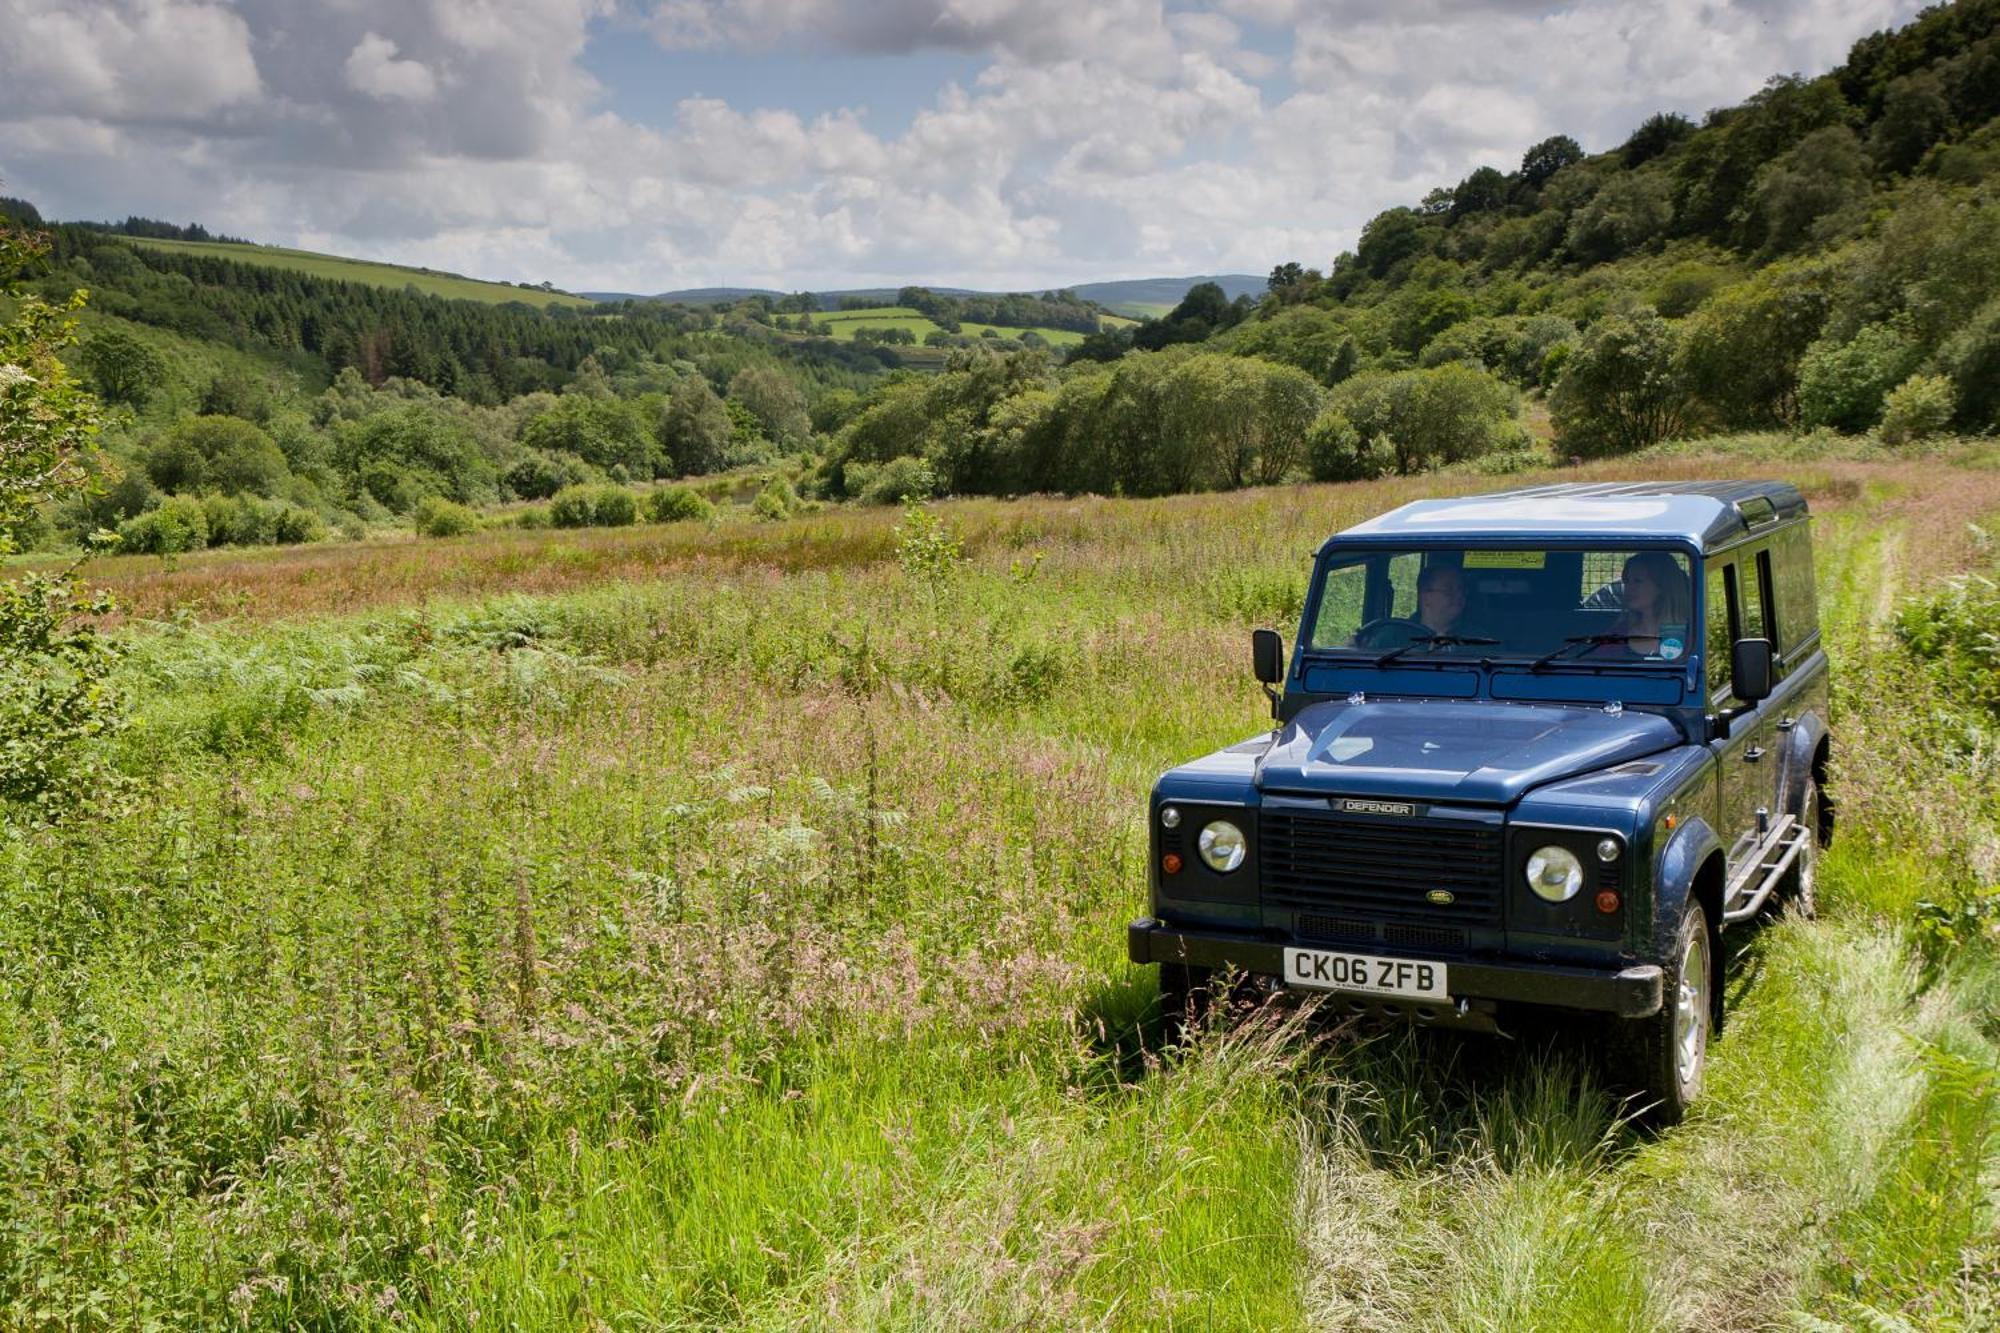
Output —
<point x="650" y="145"/>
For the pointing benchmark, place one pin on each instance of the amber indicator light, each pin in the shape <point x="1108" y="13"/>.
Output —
<point x="1171" y="863"/>
<point x="1607" y="901"/>
<point x="1670" y="821"/>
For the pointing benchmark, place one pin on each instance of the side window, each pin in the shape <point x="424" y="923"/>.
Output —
<point x="1720" y="612"/>
<point x="1340" y="602"/>
<point x="1749" y="609"/>
<point x="1792" y="587"/>
<point x="1772" y="620"/>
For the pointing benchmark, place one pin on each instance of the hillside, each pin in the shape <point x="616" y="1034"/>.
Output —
<point x="373" y="274"/>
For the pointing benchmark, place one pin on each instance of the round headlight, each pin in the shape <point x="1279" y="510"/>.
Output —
<point x="1555" y="874"/>
<point x="1222" y="846"/>
<point x="1169" y="817"/>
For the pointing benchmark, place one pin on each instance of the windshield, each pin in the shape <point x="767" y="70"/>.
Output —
<point x="1596" y="606"/>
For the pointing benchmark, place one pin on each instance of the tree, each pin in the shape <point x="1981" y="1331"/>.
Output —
<point x="55" y="667"/>
<point x="1800" y="196"/>
<point x="696" y="429"/>
<point x="773" y="398"/>
<point x="1623" y="389"/>
<point x="1285" y="275"/>
<point x="1388" y="239"/>
<point x="1423" y="418"/>
<point x="123" y="369"/>
<point x="1742" y="349"/>
<point x="1915" y="114"/>
<point x="1548" y="157"/>
<point x="1482" y="192"/>
<point x="1628" y="212"/>
<point x="1657" y="135"/>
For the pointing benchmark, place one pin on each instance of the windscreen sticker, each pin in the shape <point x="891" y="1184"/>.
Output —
<point x="1671" y="649"/>
<point x="1506" y="559"/>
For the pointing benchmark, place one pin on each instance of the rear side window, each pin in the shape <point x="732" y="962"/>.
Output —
<point x="1720" y="609"/>
<point x="1792" y="588"/>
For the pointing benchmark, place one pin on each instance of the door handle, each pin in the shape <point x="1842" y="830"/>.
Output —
<point x="1753" y="754"/>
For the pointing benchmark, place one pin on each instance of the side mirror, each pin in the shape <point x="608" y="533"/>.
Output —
<point x="1267" y="655"/>
<point x="1750" y="670"/>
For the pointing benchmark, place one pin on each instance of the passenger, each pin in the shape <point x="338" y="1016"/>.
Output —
<point x="1658" y="607"/>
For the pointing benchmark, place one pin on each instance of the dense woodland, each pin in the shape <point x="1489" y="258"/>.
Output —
<point x="1823" y="257"/>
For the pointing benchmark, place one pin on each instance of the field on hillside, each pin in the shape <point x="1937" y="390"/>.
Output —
<point x="683" y="927"/>
<point x="846" y="323"/>
<point x="1138" y="310"/>
<point x="337" y="269"/>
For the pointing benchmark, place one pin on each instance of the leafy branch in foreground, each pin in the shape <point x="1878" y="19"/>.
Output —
<point x="55" y="664"/>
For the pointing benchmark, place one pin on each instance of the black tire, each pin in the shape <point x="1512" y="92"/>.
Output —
<point x="1800" y="889"/>
<point x="1663" y="1058"/>
<point x="1185" y="994"/>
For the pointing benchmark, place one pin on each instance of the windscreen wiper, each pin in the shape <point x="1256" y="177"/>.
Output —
<point x="1594" y="640"/>
<point x="1431" y="643"/>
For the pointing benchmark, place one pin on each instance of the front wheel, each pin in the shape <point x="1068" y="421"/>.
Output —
<point x="1800" y="888"/>
<point x="1664" y="1057"/>
<point x="1185" y="991"/>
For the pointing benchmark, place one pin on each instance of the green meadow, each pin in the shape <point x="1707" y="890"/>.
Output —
<point x="336" y="269"/>
<point x="721" y="925"/>
<point x="846" y="323"/>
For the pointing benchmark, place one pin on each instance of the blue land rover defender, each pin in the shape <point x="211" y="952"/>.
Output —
<point x="1537" y="748"/>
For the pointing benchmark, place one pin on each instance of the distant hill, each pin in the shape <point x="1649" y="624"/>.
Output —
<point x="431" y="282"/>
<point x="1141" y="297"/>
<point x="1155" y="296"/>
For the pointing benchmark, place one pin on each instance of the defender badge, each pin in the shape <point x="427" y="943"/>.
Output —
<point x="1403" y="808"/>
<point x="1442" y="897"/>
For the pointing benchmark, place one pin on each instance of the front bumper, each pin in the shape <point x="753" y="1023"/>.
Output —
<point x="1630" y="992"/>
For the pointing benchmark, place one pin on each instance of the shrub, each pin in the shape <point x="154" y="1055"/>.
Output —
<point x="593" y="507"/>
<point x="1622" y="389"/>
<point x="295" y="524"/>
<point x="776" y="500"/>
<point x="438" y="517"/>
<point x="1425" y="418"/>
<point x="539" y="475"/>
<point x="1843" y="384"/>
<point x="179" y="524"/>
<point x="898" y="480"/>
<point x="677" y="504"/>
<point x="1972" y="358"/>
<point x="1918" y="407"/>
<point x="1334" y="451"/>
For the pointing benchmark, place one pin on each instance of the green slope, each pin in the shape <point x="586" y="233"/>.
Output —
<point x="333" y="267"/>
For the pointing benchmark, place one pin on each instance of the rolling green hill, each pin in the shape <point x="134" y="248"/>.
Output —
<point x="847" y="323"/>
<point x="335" y="268"/>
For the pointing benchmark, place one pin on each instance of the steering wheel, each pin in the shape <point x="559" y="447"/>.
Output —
<point x="1382" y="633"/>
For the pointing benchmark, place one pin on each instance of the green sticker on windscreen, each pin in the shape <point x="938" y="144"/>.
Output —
<point x="1506" y="559"/>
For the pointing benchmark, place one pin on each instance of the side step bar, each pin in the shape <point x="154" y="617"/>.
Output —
<point x="1759" y="878"/>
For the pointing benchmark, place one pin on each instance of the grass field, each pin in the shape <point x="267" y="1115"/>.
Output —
<point x="333" y="267"/>
<point x="1138" y="310"/>
<point x="680" y="927"/>
<point x="846" y="323"/>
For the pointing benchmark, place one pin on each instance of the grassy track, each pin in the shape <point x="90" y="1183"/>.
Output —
<point x="701" y="928"/>
<point x="337" y="269"/>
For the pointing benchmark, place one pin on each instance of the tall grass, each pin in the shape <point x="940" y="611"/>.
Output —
<point x="725" y="929"/>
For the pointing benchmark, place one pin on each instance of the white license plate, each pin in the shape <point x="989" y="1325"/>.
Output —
<point x="1365" y="974"/>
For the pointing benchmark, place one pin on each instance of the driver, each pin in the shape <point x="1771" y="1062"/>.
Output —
<point x="1440" y="598"/>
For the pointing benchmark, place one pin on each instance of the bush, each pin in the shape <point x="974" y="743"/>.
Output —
<point x="1842" y="385"/>
<point x="1972" y="358"/>
<point x="179" y="524"/>
<point x="1918" y="407"/>
<point x="1622" y="389"/>
<point x="437" y="517"/>
<point x="593" y="507"/>
<point x="1334" y="451"/>
<point x="895" y="481"/>
<point x="1426" y="418"/>
<point x="677" y="504"/>
<point x="776" y="500"/>
<point x="539" y="475"/>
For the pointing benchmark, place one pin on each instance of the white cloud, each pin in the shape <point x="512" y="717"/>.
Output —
<point x="372" y="68"/>
<point x="1097" y="140"/>
<point x="145" y="59"/>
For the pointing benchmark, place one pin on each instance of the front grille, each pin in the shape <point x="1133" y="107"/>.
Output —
<point x="1308" y="926"/>
<point x="1423" y="937"/>
<point x="1362" y="868"/>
